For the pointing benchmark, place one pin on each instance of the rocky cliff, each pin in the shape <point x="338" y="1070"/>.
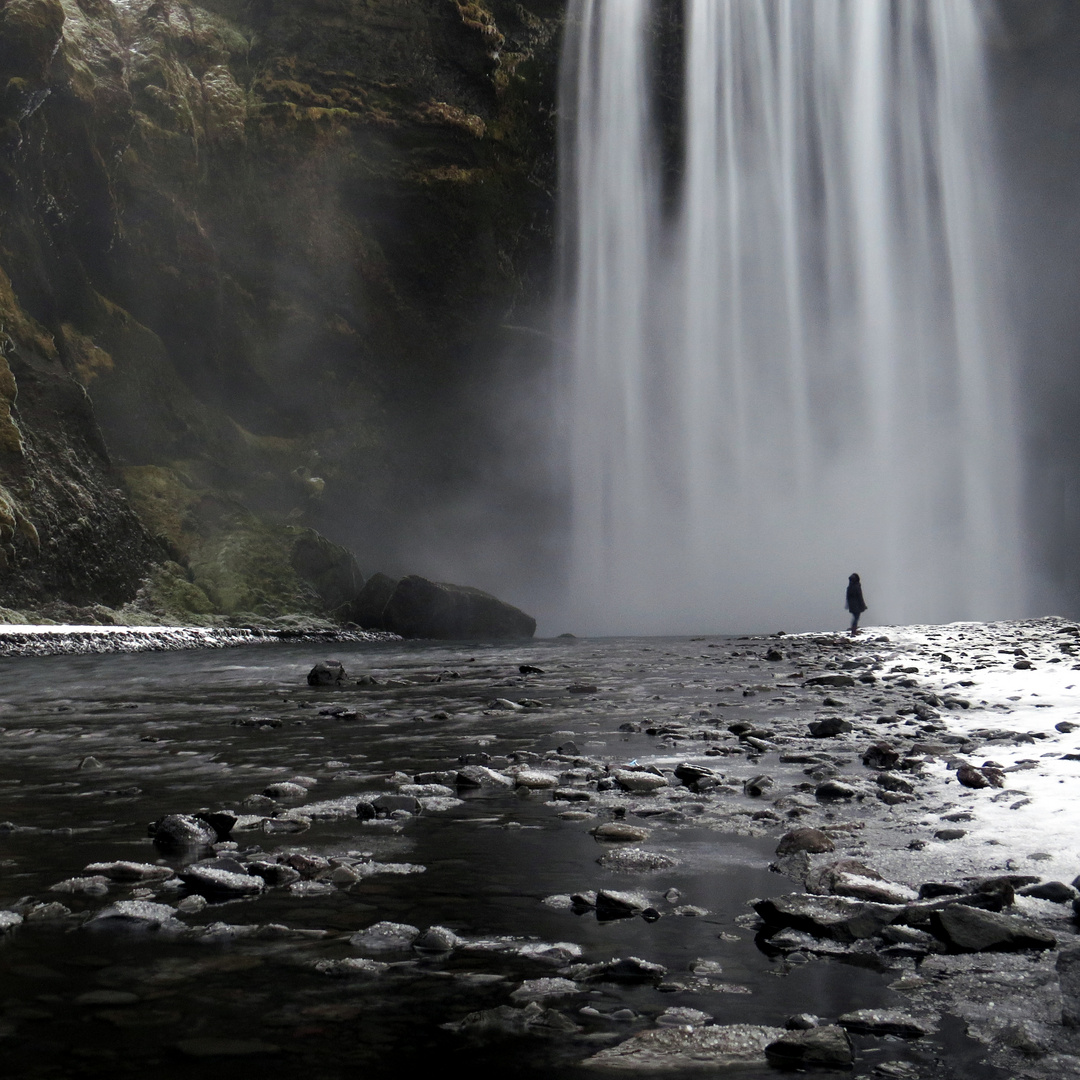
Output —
<point x="253" y="254"/>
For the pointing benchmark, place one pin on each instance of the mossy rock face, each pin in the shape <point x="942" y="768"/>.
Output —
<point x="261" y="249"/>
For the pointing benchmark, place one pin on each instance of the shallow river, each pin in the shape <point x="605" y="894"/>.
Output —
<point x="92" y="748"/>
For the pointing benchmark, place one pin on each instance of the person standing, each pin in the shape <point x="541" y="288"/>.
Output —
<point x="854" y="601"/>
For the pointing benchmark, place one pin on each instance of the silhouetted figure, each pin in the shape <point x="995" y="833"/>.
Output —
<point x="854" y="601"/>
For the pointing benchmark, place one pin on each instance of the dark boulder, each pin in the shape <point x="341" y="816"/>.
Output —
<point x="970" y="929"/>
<point x="182" y="832"/>
<point x="823" y="1047"/>
<point x="830" y="726"/>
<point x="812" y="840"/>
<point x="368" y="608"/>
<point x="419" y="608"/>
<point x="326" y="673"/>
<point x="880" y="756"/>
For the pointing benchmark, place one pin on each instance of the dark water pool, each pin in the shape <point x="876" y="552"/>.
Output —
<point x="93" y="748"/>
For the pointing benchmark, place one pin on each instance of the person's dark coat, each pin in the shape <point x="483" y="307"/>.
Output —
<point x="855" y="602"/>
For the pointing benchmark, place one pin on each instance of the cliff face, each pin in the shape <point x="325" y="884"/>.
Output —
<point x="250" y="253"/>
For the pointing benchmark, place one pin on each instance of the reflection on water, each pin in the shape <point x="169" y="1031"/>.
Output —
<point x="94" y="748"/>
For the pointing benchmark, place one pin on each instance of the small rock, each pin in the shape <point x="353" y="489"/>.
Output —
<point x="611" y="904"/>
<point x="880" y="756"/>
<point x="620" y="832"/>
<point x="629" y="969"/>
<point x="382" y="937"/>
<point x="950" y="834"/>
<point x="1056" y="891"/>
<point x="285" y="789"/>
<point x="134" y="914"/>
<point x="639" y="781"/>
<point x="886" y="1022"/>
<point x="218" y="883"/>
<point x="437" y="939"/>
<point x="480" y="776"/>
<point x="182" y="832"/>
<point x="757" y="785"/>
<point x="545" y="990"/>
<point x="661" y="1050"/>
<point x="834" y="789"/>
<point x="326" y="673"/>
<point x="810" y="840"/>
<point x="830" y="726"/>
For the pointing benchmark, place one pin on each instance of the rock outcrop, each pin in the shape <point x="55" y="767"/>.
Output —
<point x="419" y="608"/>
<point x="249" y="259"/>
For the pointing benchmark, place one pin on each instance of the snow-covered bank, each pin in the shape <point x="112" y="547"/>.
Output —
<point x="1021" y="681"/>
<point x="33" y="640"/>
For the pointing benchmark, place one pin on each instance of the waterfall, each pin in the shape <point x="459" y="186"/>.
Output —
<point x="793" y="362"/>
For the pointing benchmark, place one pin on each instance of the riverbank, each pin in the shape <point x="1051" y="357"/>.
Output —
<point x="43" y="640"/>
<point x="587" y="848"/>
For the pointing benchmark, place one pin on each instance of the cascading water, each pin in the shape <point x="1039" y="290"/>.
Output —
<point x="802" y="370"/>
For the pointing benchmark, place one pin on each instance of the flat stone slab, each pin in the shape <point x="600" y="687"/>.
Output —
<point x="971" y="929"/>
<point x="669" y="1049"/>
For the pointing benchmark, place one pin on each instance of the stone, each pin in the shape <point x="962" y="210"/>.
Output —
<point x="135" y="915"/>
<point x="217" y="883"/>
<point x="690" y="774"/>
<point x="636" y="860"/>
<point x="533" y="1019"/>
<point x="886" y="1022"/>
<point x="639" y="781"/>
<point x="95" y="885"/>
<point x="124" y="871"/>
<point x="535" y="780"/>
<point x="327" y="673"/>
<point x="836" y="917"/>
<point x="880" y="756"/>
<point x="830" y="680"/>
<point x="971" y="929"/>
<point x="9" y="920"/>
<point x="834" y="789"/>
<point x="971" y="777"/>
<point x="892" y="781"/>
<point x="619" y="832"/>
<point x="629" y="969"/>
<point x="810" y="840"/>
<point x="385" y="805"/>
<point x="545" y="990"/>
<point x="437" y="939"/>
<point x="830" y="726"/>
<point x="667" y="1049"/>
<point x="950" y="834"/>
<point x="480" y="776"/>
<point x="612" y="904"/>
<point x="826" y="1047"/>
<point x="1055" y="891"/>
<point x="274" y="874"/>
<point x="383" y="937"/>
<point x="757" y="785"/>
<point x="419" y="608"/>
<point x="285" y="789"/>
<point x="182" y="832"/>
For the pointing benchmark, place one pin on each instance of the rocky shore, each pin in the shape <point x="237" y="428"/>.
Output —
<point x="907" y="792"/>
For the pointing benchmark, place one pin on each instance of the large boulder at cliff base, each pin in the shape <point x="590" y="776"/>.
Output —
<point x="372" y="600"/>
<point x="419" y="608"/>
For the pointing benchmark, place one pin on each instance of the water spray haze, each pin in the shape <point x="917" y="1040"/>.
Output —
<point x="803" y="370"/>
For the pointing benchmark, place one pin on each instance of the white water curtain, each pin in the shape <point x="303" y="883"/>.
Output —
<point x="803" y="369"/>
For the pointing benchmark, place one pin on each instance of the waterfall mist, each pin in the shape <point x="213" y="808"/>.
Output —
<point x="795" y="364"/>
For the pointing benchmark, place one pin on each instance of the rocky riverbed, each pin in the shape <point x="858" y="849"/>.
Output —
<point x="567" y="857"/>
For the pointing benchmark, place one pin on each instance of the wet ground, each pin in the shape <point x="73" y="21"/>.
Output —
<point x="93" y="748"/>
